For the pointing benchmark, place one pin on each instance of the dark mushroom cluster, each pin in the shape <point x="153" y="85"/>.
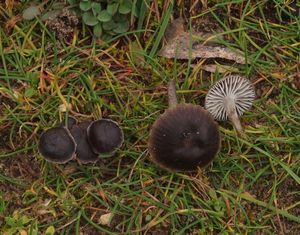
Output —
<point x="183" y="138"/>
<point x="85" y="141"/>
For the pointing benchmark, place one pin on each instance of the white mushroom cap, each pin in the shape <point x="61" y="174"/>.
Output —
<point x="233" y="87"/>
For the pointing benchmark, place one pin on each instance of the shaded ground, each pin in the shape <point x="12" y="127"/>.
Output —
<point x="286" y="195"/>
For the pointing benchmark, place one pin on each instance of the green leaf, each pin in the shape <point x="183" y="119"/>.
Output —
<point x="58" y="5"/>
<point x="142" y="14"/>
<point x="10" y="221"/>
<point x="136" y="53"/>
<point x="31" y="12"/>
<point x="97" y="30"/>
<point x="85" y="6"/>
<point x="72" y="2"/>
<point x="29" y="92"/>
<point x="148" y="218"/>
<point x="112" y="8"/>
<point x="106" y="37"/>
<point x="110" y="25"/>
<point x="125" y="6"/>
<point x="122" y="27"/>
<point x="50" y="230"/>
<point x="89" y="19"/>
<point x="159" y="34"/>
<point x="135" y="11"/>
<point x="119" y="17"/>
<point x="50" y="14"/>
<point x="96" y="8"/>
<point x="104" y="16"/>
<point x="23" y="220"/>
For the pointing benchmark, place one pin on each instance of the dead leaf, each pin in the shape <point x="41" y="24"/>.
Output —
<point x="102" y="194"/>
<point x="184" y="45"/>
<point x="10" y="4"/>
<point x="105" y="219"/>
<point x="31" y="12"/>
<point x="174" y="29"/>
<point x="64" y="107"/>
<point x="69" y="169"/>
<point x="23" y="232"/>
<point x="296" y="81"/>
<point x="10" y="24"/>
<point x="213" y="68"/>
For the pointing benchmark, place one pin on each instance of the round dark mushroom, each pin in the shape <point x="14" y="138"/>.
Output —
<point x="104" y="136"/>
<point x="185" y="137"/>
<point x="230" y="98"/>
<point x="84" y="152"/>
<point x="57" y="145"/>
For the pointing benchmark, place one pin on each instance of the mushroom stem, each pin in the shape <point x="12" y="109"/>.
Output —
<point x="233" y="116"/>
<point x="172" y="97"/>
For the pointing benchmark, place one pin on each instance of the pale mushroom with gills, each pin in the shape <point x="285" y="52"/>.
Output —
<point x="57" y="145"/>
<point x="230" y="98"/>
<point x="184" y="137"/>
<point x="104" y="136"/>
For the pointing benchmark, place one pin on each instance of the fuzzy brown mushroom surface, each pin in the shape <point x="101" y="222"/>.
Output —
<point x="105" y="136"/>
<point x="84" y="152"/>
<point x="230" y="98"/>
<point x="57" y="145"/>
<point x="183" y="138"/>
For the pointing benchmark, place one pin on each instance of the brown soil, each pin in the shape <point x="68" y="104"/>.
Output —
<point x="287" y="194"/>
<point x="23" y="170"/>
<point x="63" y="25"/>
<point x="5" y="103"/>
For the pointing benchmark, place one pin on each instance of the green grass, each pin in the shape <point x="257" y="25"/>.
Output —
<point x="245" y="191"/>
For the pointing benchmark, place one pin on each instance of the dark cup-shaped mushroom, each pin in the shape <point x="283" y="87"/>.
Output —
<point x="57" y="145"/>
<point x="84" y="152"/>
<point x="104" y="136"/>
<point x="185" y="137"/>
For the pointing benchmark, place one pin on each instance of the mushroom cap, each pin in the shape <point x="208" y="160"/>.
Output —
<point x="237" y="88"/>
<point x="183" y="138"/>
<point x="104" y="136"/>
<point x="57" y="145"/>
<point x="84" y="151"/>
